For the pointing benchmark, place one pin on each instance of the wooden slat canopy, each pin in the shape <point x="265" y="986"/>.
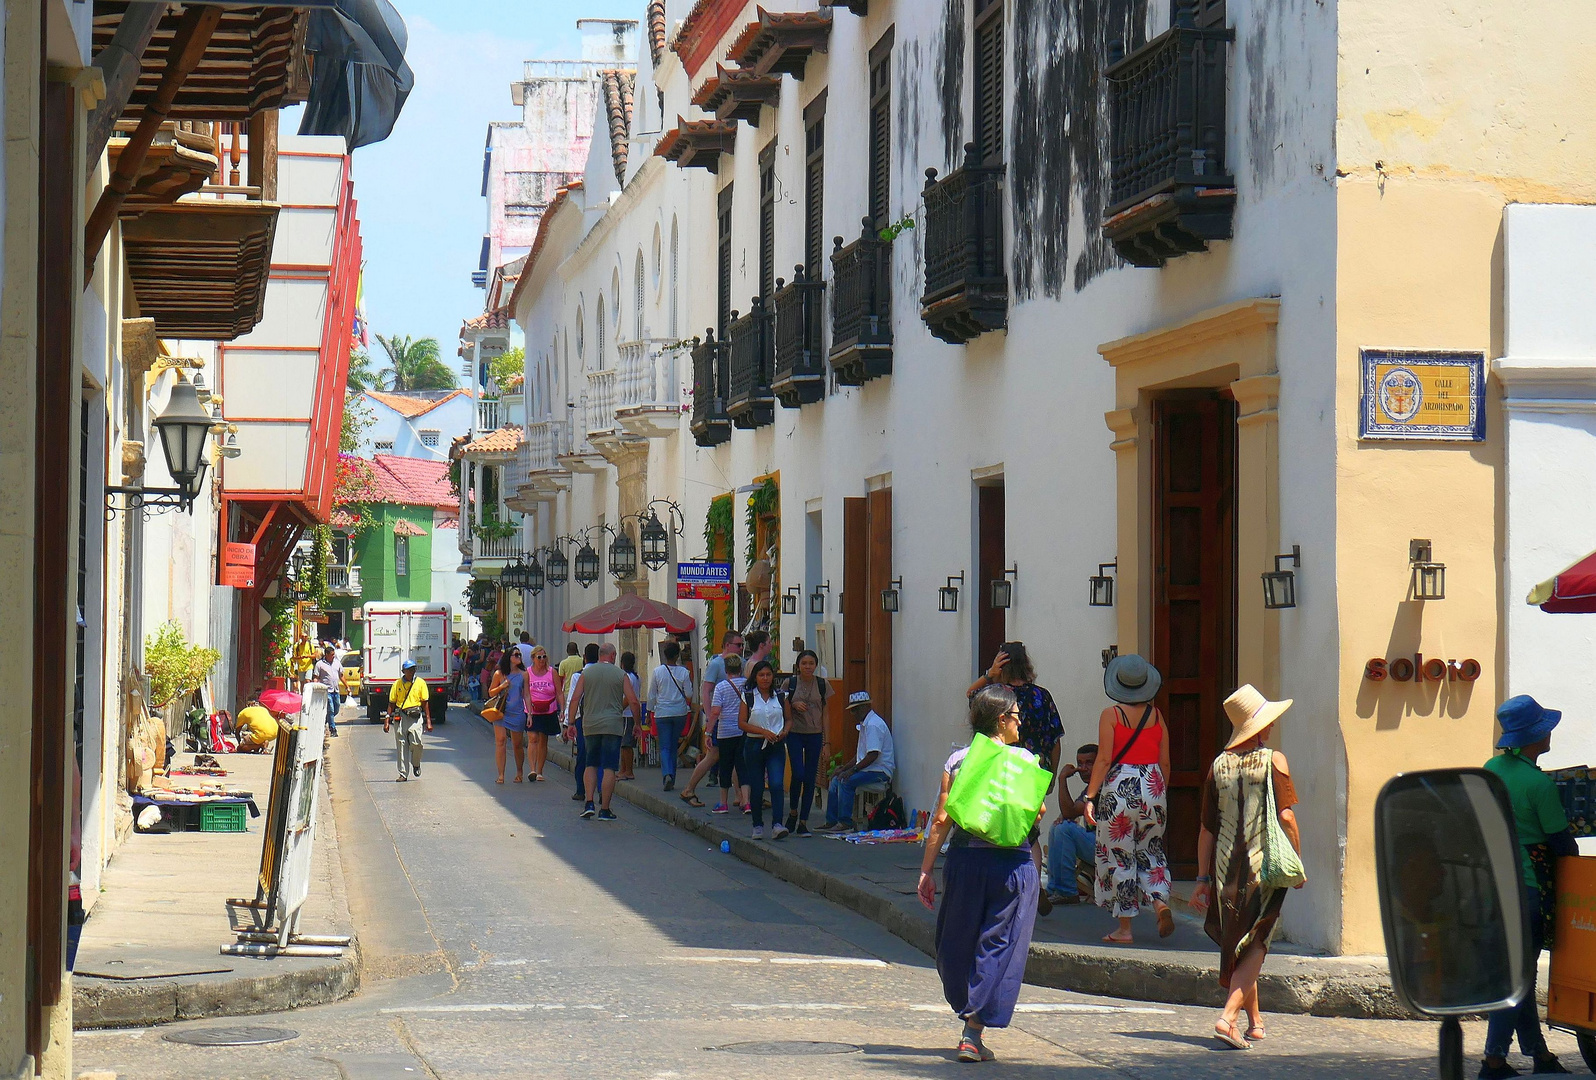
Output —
<point x="735" y="94"/>
<point x="182" y="159"/>
<point x="698" y="144"/>
<point x="255" y="60"/>
<point x="780" y="43"/>
<point x="199" y="267"/>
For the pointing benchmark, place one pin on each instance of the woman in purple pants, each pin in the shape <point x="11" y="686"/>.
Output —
<point x="989" y="898"/>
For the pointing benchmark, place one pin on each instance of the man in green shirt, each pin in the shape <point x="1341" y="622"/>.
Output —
<point x="603" y="695"/>
<point x="1543" y="834"/>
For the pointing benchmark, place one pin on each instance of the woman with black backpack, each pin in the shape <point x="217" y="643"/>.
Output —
<point x="765" y="725"/>
<point x="806" y="705"/>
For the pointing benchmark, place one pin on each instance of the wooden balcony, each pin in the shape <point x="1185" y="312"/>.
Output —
<point x="800" y="372"/>
<point x="750" y="402"/>
<point x="966" y="284"/>
<point x="861" y="308"/>
<point x="698" y="144"/>
<point x="781" y="42"/>
<point x="649" y="398"/>
<point x="734" y="94"/>
<point x="711" y="426"/>
<point x="1169" y="190"/>
<point x="182" y="160"/>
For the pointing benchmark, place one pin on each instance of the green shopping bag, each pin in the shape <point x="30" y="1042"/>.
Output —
<point x="997" y="792"/>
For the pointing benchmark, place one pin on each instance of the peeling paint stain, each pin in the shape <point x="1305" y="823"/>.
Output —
<point x="1389" y="125"/>
<point x="951" y="80"/>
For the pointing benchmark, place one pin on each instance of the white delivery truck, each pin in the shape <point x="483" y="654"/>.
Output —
<point x="397" y="631"/>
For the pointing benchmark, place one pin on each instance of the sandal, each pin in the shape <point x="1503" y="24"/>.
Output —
<point x="1110" y="939"/>
<point x="1225" y="1032"/>
<point x="1255" y="1033"/>
<point x="691" y="800"/>
<point x="500" y="780"/>
<point x="1166" y="921"/>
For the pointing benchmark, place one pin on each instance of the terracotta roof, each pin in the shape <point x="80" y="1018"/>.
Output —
<point x="656" y="30"/>
<point x="701" y="31"/>
<point x="544" y="223"/>
<point x="779" y="42"/>
<point x="698" y="143"/>
<point x="498" y="319"/>
<point x="447" y="523"/>
<point x="412" y="404"/>
<point x="617" y="85"/>
<point x="412" y="482"/>
<point x="735" y="94"/>
<point x="403" y="527"/>
<point x="506" y="440"/>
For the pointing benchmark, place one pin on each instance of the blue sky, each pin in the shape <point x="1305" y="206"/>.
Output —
<point x="421" y="211"/>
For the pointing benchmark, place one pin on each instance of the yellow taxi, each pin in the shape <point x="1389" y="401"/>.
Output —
<point x="349" y="681"/>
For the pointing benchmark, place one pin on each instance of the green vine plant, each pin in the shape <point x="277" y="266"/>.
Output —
<point x="897" y="228"/>
<point x="175" y="667"/>
<point x="277" y="645"/>
<point x="316" y="575"/>
<point x="717" y="523"/>
<point x="765" y="500"/>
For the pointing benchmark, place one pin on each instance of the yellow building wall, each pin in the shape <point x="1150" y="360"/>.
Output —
<point x="1446" y="114"/>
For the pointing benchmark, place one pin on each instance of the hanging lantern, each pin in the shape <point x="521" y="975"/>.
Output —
<point x="535" y="577"/>
<point x="656" y="543"/>
<point x="623" y="557"/>
<point x="559" y="568"/>
<point x="587" y="565"/>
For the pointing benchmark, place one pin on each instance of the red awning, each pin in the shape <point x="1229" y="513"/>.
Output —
<point x="631" y="613"/>
<point x="1571" y="592"/>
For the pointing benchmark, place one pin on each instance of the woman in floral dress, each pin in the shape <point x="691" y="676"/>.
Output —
<point x="1132" y="870"/>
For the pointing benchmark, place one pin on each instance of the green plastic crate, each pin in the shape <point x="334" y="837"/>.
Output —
<point x="224" y="817"/>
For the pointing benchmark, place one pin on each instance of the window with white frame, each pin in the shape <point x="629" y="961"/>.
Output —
<point x="430" y="438"/>
<point x="401" y="556"/>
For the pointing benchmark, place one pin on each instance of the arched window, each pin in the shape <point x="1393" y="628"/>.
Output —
<point x="637" y="315"/>
<point x="675" y="328"/>
<point x="598" y="357"/>
<point x="581" y="337"/>
<point x="657" y="264"/>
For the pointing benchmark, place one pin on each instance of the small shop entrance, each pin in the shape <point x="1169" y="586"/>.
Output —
<point x="1194" y="596"/>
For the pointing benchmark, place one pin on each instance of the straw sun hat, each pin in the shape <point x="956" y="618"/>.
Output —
<point x="1251" y="714"/>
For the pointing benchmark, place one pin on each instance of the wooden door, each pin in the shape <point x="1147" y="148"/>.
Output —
<point x="855" y="585"/>
<point x="878" y="668"/>
<point x="991" y="560"/>
<point x="1194" y="603"/>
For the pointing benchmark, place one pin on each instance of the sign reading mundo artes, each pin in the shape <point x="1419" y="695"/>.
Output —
<point x="1421" y="395"/>
<point x="703" y="581"/>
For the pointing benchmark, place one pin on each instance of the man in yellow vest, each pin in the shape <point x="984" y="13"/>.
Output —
<point x="407" y="706"/>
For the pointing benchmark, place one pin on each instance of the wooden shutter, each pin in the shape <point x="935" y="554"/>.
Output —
<point x="989" y="83"/>
<point x="855" y="587"/>
<point x="725" y="300"/>
<point x="815" y="188"/>
<point x="881" y="130"/>
<point x="879" y="660"/>
<point x="767" y="221"/>
<point x="1210" y="13"/>
<point x="991" y="559"/>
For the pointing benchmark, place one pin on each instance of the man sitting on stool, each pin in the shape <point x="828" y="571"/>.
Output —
<point x="873" y="763"/>
<point x="1070" y="842"/>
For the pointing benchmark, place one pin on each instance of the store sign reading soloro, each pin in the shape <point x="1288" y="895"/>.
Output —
<point x="703" y="581"/>
<point x="1429" y="396"/>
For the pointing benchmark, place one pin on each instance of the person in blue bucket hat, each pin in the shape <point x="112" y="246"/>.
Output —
<point x="1543" y="833"/>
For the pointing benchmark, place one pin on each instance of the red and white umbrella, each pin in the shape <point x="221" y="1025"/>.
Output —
<point x="1571" y="592"/>
<point x="631" y="613"/>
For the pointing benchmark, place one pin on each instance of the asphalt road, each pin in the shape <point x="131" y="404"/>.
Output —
<point x="504" y="937"/>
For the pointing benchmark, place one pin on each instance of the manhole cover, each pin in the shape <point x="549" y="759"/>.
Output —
<point x="232" y="1036"/>
<point x="788" y="1049"/>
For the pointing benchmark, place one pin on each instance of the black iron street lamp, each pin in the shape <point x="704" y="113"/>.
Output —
<point x="183" y="428"/>
<point x="1280" y="586"/>
<point x="1003" y="589"/>
<point x="587" y="565"/>
<point x="559" y="568"/>
<point x="623" y="556"/>
<point x="535" y="576"/>
<point x="1102" y="592"/>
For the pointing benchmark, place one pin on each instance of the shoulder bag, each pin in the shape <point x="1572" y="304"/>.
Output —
<point x="1147" y="714"/>
<point x="997" y="793"/>
<point x="1282" y="867"/>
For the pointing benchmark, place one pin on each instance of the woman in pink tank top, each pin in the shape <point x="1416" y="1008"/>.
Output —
<point x="1126" y="799"/>
<point x="543" y="710"/>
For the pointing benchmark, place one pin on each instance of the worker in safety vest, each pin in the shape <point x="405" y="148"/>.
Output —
<point x="407" y="706"/>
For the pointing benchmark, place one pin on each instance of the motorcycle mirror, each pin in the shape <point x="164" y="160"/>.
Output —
<point x="1452" y="898"/>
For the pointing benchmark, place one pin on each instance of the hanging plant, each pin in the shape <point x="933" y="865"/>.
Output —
<point x="764" y="502"/>
<point x="277" y="640"/>
<point x="316" y="575"/>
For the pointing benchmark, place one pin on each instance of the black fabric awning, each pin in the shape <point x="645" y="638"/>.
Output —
<point x="359" y="78"/>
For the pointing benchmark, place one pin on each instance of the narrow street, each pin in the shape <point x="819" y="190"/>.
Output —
<point x="502" y="936"/>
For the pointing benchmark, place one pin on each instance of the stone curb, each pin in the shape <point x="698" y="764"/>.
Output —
<point x="1312" y="985"/>
<point x="102" y="1003"/>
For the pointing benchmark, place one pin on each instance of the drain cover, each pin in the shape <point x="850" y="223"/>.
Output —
<point x="231" y="1036"/>
<point x="788" y="1049"/>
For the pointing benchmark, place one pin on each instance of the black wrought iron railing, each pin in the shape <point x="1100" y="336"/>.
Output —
<point x="749" y="400"/>
<point x="963" y="228"/>
<point x="861" y="302"/>
<point x="800" y="372"/>
<point x="711" y="426"/>
<point x="1166" y="106"/>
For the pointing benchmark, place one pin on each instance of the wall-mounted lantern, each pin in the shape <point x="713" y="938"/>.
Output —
<point x="1003" y="588"/>
<point x="182" y="426"/>
<point x="1102" y="590"/>
<point x="535" y="577"/>
<point x="1279" y="585"/>
<point x="587" y="565"/>
<point x="559" y="568"/>
<point x="789" y="600"/>
<point x="1429" y="577"/>
<point x="623" y="556"/>
<point x="817" y="599"/>
<point x="891" y="596"/>
<point x="948" y="595"/>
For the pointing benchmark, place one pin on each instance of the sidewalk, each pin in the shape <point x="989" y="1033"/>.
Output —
<point x="879" y="882"/>
<point x="151" y="949"/>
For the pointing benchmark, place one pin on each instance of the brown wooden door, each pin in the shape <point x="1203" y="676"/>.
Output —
<point x="991" y="559"/>
<point x="878" y="669"/>
<point x="1194" y="603"/>
<point x="855" y="587"/>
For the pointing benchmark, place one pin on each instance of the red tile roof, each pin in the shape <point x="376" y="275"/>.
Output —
<point x="498" y="319"/>
<point x="656" y="30"/>
<point x="404" y="527"/>
<point x="411" y="406"/>
<point x="617" y="86"/>
<point x="412" y="482"/>
<point x="506" y="440"/>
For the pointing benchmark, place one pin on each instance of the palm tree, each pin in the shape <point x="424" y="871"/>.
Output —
<point x="363" y="375"/>
<point x="414" y="365"/>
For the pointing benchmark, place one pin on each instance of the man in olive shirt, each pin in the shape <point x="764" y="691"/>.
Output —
<point x="603" y="695"/>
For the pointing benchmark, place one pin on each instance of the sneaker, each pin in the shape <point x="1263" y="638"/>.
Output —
<point x="971" y="1049"/>
<point x="335" y="733"/>
<point x="588" y="812"/>
<point x="606" y="815"/>
<point x="792" y="822"/>
<point x="416" y="769"/>
<point x="670" y="783"/>
<point x="779" y="832"/>
<point x="1497" y="1072"/>
<point x="721" y="808"/>
<point x="802" y="829"/>
<point x="577" y="797"/>
<point x="759" y="832"/>
<point x="749" y="810"/>
<point x="831" y="827"/>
